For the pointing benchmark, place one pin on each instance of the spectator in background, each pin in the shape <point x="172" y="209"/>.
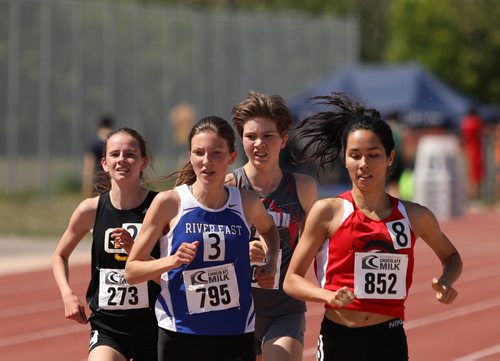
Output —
<point x="496" y="147"/>
<point x="93" y="154"/>
<point x="181" y="118"/>
<point x="472" y="136"/>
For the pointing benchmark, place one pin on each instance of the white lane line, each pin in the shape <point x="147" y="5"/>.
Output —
<point x="493" y="350"/>
<point x="447" y="315"/>
<point x="42" y="334"/>
<point x="472" y="275"/>
<point x="31" y="308"/>
<point x="428" y="320"/>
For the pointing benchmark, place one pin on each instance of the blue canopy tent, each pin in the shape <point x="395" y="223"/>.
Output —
<point x="419" y="97"/>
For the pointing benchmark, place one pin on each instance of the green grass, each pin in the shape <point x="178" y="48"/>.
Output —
<point x="33" y="215"/>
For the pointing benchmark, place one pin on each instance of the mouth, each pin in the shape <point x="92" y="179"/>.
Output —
<point x="207" y="172"/>
<point x="260" y="155"/>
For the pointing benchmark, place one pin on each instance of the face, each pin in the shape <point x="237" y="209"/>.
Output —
<point x="366" y="160"/>
<point x="123" y="159"/>
<point x="262" y="141"/>
<point x="210" y="157"/>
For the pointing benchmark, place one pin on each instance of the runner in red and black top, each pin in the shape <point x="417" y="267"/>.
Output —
<point x="365" y="266"/>
<point x="263" y="122"/>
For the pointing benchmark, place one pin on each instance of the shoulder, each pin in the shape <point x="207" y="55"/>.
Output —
<point x="307" y="190"/>
<point x="167" y="197"/>
<point x="325" y="216"/>
<point x="420" y="216"/>
<point x="165" y="205"/>
<point x="230" y="179"/>
<point x="328" y="205"/>
<point x="84" y="215"/>
<point x="304" y="181"/>
<point x="248" y="195"/>
<point x="88" y="205"/>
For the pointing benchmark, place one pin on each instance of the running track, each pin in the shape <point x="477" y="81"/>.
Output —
<point x="33" y="326"/>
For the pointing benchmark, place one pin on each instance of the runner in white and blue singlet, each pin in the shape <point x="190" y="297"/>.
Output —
<point x="205" y="310"/>
<point x="218" y="279"/>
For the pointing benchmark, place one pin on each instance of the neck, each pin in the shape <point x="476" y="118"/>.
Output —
<point x="264" y="180"/>
<point x="376" y="205"/>
<point x="127" y="198"/>
<point x="211" y="198"/>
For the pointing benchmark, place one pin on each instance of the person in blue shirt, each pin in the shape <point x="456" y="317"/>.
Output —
<point x="205" y="309"/>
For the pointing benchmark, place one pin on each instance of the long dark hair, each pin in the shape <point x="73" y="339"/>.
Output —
<point x="323" y="135"/>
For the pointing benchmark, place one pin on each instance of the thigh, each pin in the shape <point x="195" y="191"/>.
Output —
<point x="105" y="347"/>
<point x="284" y="338"/>
<point x="284" y="348"/>
<point x="292" y="326"/>
<point x="335" y="343"/>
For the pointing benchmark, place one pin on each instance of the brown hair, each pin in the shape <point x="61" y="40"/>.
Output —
<point x="272" y="107"/>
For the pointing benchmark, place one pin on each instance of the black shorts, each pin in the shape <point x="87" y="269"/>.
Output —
<point x="176" y="346"/>
<point x="141" y="345"/>
<point x="382" y="342"/>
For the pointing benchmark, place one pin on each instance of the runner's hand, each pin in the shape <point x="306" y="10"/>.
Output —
<point x="185" y="254"/>
<point x="74" y="309"/>
<point x="264" y="275"/>
<point x="123" y="238"/>
<point x="342" y="297"/>
<point x="257" y="252"/>
<point x="445" y="293"/>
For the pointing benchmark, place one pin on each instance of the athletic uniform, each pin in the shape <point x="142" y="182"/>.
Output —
<point x="277" y="313"/>
<point x="209" y="301"/>
<point x="122" y="314"/>
<point x="375" y="259"/>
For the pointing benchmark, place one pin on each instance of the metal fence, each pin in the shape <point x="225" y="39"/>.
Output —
<point x="63" y="63"/>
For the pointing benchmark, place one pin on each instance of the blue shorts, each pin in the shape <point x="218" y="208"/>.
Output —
<point x="267" y="328"/>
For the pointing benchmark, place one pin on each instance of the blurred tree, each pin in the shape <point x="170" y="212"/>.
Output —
<point x="458" y="40"/>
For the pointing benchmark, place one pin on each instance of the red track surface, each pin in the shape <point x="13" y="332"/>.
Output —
<point x="33" y="326"/>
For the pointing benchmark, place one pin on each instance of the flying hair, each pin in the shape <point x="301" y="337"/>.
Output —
<point x="322" y="136"/>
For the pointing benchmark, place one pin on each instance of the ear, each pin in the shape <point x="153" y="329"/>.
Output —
<point x="145" y="163"/>
<point x="103" y="164"/>
<point x="390" y="159"/>
<point x="233" y="157"/>
<point x="284" y="139"/>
